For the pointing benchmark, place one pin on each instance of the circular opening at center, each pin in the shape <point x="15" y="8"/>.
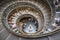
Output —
<point x="28" y="23"/>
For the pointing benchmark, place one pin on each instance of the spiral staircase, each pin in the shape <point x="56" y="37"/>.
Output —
<point x="45" y="24"/>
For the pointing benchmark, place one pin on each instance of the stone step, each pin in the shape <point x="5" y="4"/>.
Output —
<point x="3" y="34"/>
